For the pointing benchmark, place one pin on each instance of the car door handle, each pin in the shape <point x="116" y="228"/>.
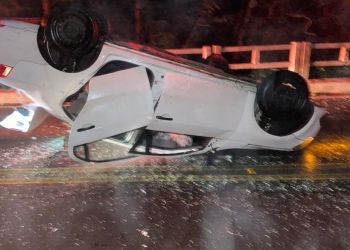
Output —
<point x="86" y="128"/>
<point x="164" y="117"/>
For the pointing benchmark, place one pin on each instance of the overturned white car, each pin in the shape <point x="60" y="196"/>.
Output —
<point x="124" y="99"/>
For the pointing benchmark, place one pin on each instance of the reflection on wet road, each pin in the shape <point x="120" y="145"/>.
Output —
<point x="234" y="200"/>
<point x="247" y="215"/>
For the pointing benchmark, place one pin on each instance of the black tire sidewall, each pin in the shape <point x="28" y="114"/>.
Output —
<point x="269" y="104"/>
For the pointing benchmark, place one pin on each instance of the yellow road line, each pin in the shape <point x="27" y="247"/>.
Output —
<point x="169" y="179"/>
<point x="250" y="170"/>
<point x="116" y="173"/>
<point x="101" y="168"/>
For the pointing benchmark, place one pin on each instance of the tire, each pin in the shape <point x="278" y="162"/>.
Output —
<point x="73" y="37"/>
<point x="283" y="104"/>
<point x="283" y="94"/>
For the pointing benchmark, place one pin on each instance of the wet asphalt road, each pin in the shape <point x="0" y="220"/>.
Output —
<point x="236" y="200"/>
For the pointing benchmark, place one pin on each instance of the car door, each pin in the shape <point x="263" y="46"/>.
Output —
<point x="199" y="105"/>
<point x="118" y="106"/>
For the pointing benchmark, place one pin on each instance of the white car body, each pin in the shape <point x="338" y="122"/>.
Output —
<point x="184" y="99"/>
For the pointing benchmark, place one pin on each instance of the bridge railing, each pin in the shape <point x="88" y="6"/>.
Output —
<point x="299" y="60"/>
<point x="299" y="55"/>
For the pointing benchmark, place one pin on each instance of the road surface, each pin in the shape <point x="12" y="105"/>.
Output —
<point x="235" y="200"/>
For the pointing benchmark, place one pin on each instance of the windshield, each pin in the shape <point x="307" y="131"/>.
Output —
<point x="113" y="148"/>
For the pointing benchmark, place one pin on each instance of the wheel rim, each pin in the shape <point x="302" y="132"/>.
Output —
<point x="73" y="33"/>
<point x="70" y="32"/>
<point x="73" y="38"/>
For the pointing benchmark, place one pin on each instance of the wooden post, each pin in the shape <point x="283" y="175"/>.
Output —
<point x="343" y="54"/>
<point x="294" y="58"/>
<point x="255" y="57"/>
<point x="305" y="57"/>
<point x="206" y="52"/>
<point x="216" y="49"/>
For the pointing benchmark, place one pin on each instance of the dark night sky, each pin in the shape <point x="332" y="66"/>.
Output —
<point x="187" y="23"/>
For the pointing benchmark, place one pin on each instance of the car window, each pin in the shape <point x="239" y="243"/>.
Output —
<point x="163" y="143"/>
<point x="109" y="149"/>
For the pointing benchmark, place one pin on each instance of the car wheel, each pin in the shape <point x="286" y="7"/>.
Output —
<point x="283" y="103"/>
<point x="73" y="37"/>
